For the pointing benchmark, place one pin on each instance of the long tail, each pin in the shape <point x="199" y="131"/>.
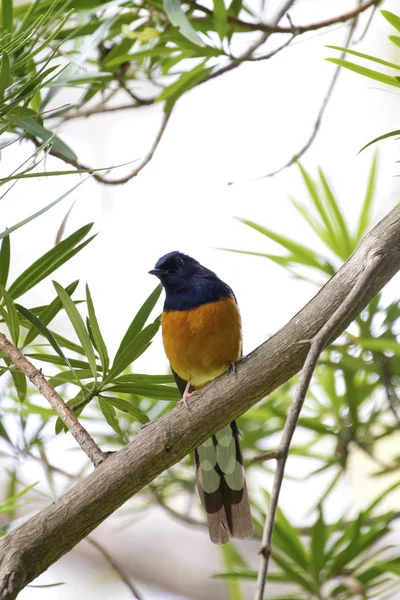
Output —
<point x="222" y="486"/>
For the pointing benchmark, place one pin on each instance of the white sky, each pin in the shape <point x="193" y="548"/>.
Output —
<point x="235" y="128"/>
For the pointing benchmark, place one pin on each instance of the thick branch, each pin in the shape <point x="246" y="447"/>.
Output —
<point x="32" y="547"/>
<point x="87" y="444"/>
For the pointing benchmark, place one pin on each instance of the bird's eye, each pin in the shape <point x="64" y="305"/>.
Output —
<point x="179" y="262"/>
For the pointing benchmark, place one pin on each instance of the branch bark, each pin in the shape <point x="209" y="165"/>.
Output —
<point x="33" y="546"/>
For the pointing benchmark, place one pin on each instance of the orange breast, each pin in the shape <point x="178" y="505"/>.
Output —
<point x="201" y="342"/>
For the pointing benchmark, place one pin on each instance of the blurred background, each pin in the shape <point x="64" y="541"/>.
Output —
<point x="209" y="168"/>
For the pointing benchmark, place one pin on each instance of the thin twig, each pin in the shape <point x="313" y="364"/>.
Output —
<point x="85" y="441"/>
<point x="121" y="180"/>
<point x="299" y="29"/>
<point x="317" y="345"/>
<point x="145" y="160"/>
<point x="321" y="112"/>
<point x="115" y="566"/>
<point x="97" y="110"/>
<point x="273" y="454"/>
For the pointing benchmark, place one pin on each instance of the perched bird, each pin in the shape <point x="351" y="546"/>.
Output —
<point x="202" y="336"/>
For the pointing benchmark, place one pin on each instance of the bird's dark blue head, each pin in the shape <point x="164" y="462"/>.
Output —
<point x="187" y="283"/>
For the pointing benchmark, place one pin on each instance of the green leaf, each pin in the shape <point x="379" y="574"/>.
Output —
<point x="381" y="137"/>
<point x="232" y="560"/>
<point x="380" y="61"/>
<point x="98" y="338"/>
<point x="134" y="349"/>
<point x="177" y="17"/>
<point x="318" y="540"/>
<point x="56" y="360"/>
<point x="20" y="383"/>
<point x="35" y="129"/>
<point x="292" y="573"/>
<point x="158" y="392"/>
<point x="395" y="39"/>
<point x="392" y="18"/>
<point x="12" y="316"/>
<point x="5" y="74"/>
<point x="109" y="413"/>
<point x="186" y="81"/>
<point x="127" y="407"/>
<point x="341" y="231"/>
<point x="49" y="262"/>
<point x="7" y="15"/>
<point x="375" y="75"/>
<point x="4" y="260"/>
<point x="139" y="320"/>
<point x="381" y="344"/>
<point x="32" y="318"/>
<point x="300" y="253"/>
<point x="220" y="19"/>
<point x="314" y="195"/>
<point x="48" y="313"/>
<point x="366" y="210"/>
<point x="78" y="325"/>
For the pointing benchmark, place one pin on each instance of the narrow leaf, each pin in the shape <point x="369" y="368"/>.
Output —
<point x="127" y="407"/>
<point x="98" y="338"/>
<point x="139" y="320"/>
<point x="175" y="14"/>
<point x="78" y="325"/>
<point x="4" y="260"/>
<point x="109" y="413"/>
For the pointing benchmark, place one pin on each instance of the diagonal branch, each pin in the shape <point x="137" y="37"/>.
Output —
<point x="115" y="566"/>
<point x="87" y="443"/>
<point x="317" y="345"/>
<point x="36" y="544"/>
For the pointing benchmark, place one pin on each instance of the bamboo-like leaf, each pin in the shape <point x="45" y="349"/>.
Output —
<point x="375" y="75"/>
<point x="175" y="14"/>
<point x="109" y="413"/>
<point x="159" y="392"/>
<point x="32" y="318"/>
<point x="318" y="540"/>
<point x="127" y="407"/>
<point x="20" y="383"/>
<point x="50" y="261"/>
<point x="365" y="216"/>
<point x="133" y="350"/>
<point x="4" y="260"/>
<point x="5" y="73"/>
<point x="343" y="236"/>
<point x="49" y="312"/>
<point x="78" y="325"/>
<point x="7" y="15"/>
<point x="380" y="61"/>
<point x="12" y="316"/>
<point x="300" y="253"/>
<point x="139" y="320"/>
<point x="98" y="338"/>
<point x="31" y="126"/>
<point x="392" y="18"/>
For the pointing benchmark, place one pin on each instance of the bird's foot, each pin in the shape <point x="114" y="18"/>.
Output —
<point x="185" y="398"/>
<point x="232" y="365"/>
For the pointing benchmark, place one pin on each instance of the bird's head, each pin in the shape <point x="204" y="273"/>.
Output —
<point x="176" y="269"/>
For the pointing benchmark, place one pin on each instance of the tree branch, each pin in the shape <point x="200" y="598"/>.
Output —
<point x="36" y="544"/>
<point x="87" y="444"/>
<point x="317" y="345"/>
<point x="115" y="566"/>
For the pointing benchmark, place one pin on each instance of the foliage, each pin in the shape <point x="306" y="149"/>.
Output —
<point x="101" y="50"/>
<point x="382" y="77"/>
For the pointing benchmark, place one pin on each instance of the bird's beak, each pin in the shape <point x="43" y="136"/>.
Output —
<point x="157" y="272"/>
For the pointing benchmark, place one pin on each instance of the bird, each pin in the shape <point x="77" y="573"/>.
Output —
<point x="202" y="337"/>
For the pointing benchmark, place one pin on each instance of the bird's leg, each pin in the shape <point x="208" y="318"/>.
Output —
<point x="186" y="395"/>
<point x="232" y="365"/>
